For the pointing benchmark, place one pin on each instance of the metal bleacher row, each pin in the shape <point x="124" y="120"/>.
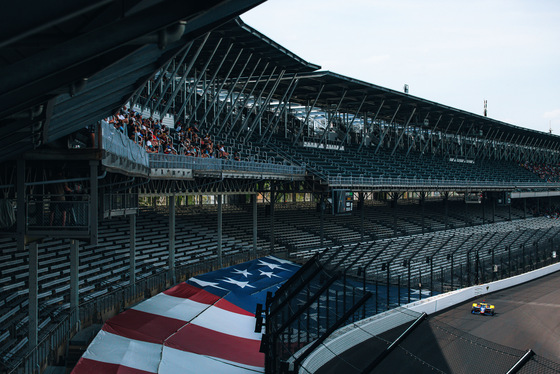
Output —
<point x="398" y="253"/>
<point x="352" y="161"/>
<point x="105" y="267"/>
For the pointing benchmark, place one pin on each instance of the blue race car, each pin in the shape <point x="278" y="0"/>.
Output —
<point x="483" y="308"/>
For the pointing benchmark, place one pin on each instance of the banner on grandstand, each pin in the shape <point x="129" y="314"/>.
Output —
<point x="204" y="325"/>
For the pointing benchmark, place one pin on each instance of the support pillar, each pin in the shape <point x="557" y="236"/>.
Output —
<point x="132" y="270"/>
<point x="171" y="260"/>
<point x="361" y="201"/>
<point x="395" y="198"/>
<point x="446" y="198"/>
<point x="219" y="249"/>
<point x="20" y="204"/>
<point x="94" y="202"/>
<point x="423" y="203"/>
<point x="33" y="295"/>
<point x="272" y="199"/>
<point x="254" y="204"/>
<point x="322" y="226"/>
<point x="74" y="276"/>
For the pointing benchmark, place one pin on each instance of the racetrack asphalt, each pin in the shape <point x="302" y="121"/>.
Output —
<point x="527" y="317"/>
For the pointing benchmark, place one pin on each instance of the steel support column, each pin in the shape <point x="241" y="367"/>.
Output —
<point x="254" y="204"/>
<point x="219" y="249"/>
<point x="74" y="276"/>
<point x="132" y="261"/>
<point x="94" y="203"/>
<point x="171" y="260"/>
<point x="33" y="295"/>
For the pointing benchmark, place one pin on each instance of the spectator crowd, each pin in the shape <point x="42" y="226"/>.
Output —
<point x="155" y="137"/>
<point x="548" y="173"/>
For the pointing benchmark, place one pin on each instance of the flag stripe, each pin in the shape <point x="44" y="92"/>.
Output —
<point x="146" y="327"/>
<point x="177" y="361"/>
<point x="87" y="366"/>
<point x="196" y="339"/>
<point x="225" y="322"/>
<point x="172" y="307"/>
<point x="119" y="350"/>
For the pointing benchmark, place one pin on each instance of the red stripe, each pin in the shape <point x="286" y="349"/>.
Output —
<point x="187" y="291"/>
<point x="230" y="307"/>
<point x="146" y="327"/>
<point x="87" y="366"/>
<point x="200" y="340"/>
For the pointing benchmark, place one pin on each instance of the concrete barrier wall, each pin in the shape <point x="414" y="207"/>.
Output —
<point x="352" y="335"/>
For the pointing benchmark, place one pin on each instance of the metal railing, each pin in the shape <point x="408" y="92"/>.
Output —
<point x="70" y="211"/>
<point x="383" y="182"/>
<point x="170" y="161"/>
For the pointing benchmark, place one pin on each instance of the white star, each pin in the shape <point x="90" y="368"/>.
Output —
<point x="240" y="284"/>
<point x="271" y="266"/>
<point x="206" y="284"/>
<point x="244" y="272"/>
<point x="269" y="274"/>
<point x="280" y="260"/>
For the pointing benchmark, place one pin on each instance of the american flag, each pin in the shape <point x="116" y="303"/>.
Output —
<point x="203" y="325"/>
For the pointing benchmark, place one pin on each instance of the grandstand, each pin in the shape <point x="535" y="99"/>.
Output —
<point x="253" y="151"/>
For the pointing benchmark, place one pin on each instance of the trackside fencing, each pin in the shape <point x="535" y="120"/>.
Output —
<point x="464" y="350"/>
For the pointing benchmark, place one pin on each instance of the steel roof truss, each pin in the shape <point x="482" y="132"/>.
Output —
<point x="182" y="83"/>
<point x="171" y="79"/>
<point x="305" y="122"/>
<point x="194" y="84"/>
<point x="208" y="84"/>
<point x="403" y="131"/>
<point x="216" y="97"/>
<point x="349" y="126"/>
<point x="264" y="106"/>
<point x="384" y="133"/>
<point x="246" y="101"/>
<point x="285" y="100"/>
<point x="231" y="91"/>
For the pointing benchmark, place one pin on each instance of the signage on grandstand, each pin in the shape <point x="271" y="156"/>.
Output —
<point x="342" y="201"/>
<point x="335" y="147"/>
<point x="473" y="197"/>
<point x="461" y="160"/>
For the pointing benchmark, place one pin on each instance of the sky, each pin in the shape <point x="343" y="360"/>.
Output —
<point x="456" y="53"/>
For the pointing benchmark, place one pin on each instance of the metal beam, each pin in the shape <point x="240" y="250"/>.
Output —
<point x="208" y="83"/>
<point x="402" y="133"/>
<point x="264" y="106"/>
<point x="304" y="122"/>
<point x="194" y="85"/>
<point x="384" y="133"/>
<point x="372" y="124"/>
<point x="352" y="122"/>
<point x="216" y="98"/>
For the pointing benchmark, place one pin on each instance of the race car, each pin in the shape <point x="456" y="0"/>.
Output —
<point x="483" y="308"/>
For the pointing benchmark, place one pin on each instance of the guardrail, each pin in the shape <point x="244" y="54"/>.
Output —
<point x="170" y="161"/>
<point x="382" y="182"/>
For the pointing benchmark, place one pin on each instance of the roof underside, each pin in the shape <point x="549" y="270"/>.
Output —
<point x="67" y="64"/>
